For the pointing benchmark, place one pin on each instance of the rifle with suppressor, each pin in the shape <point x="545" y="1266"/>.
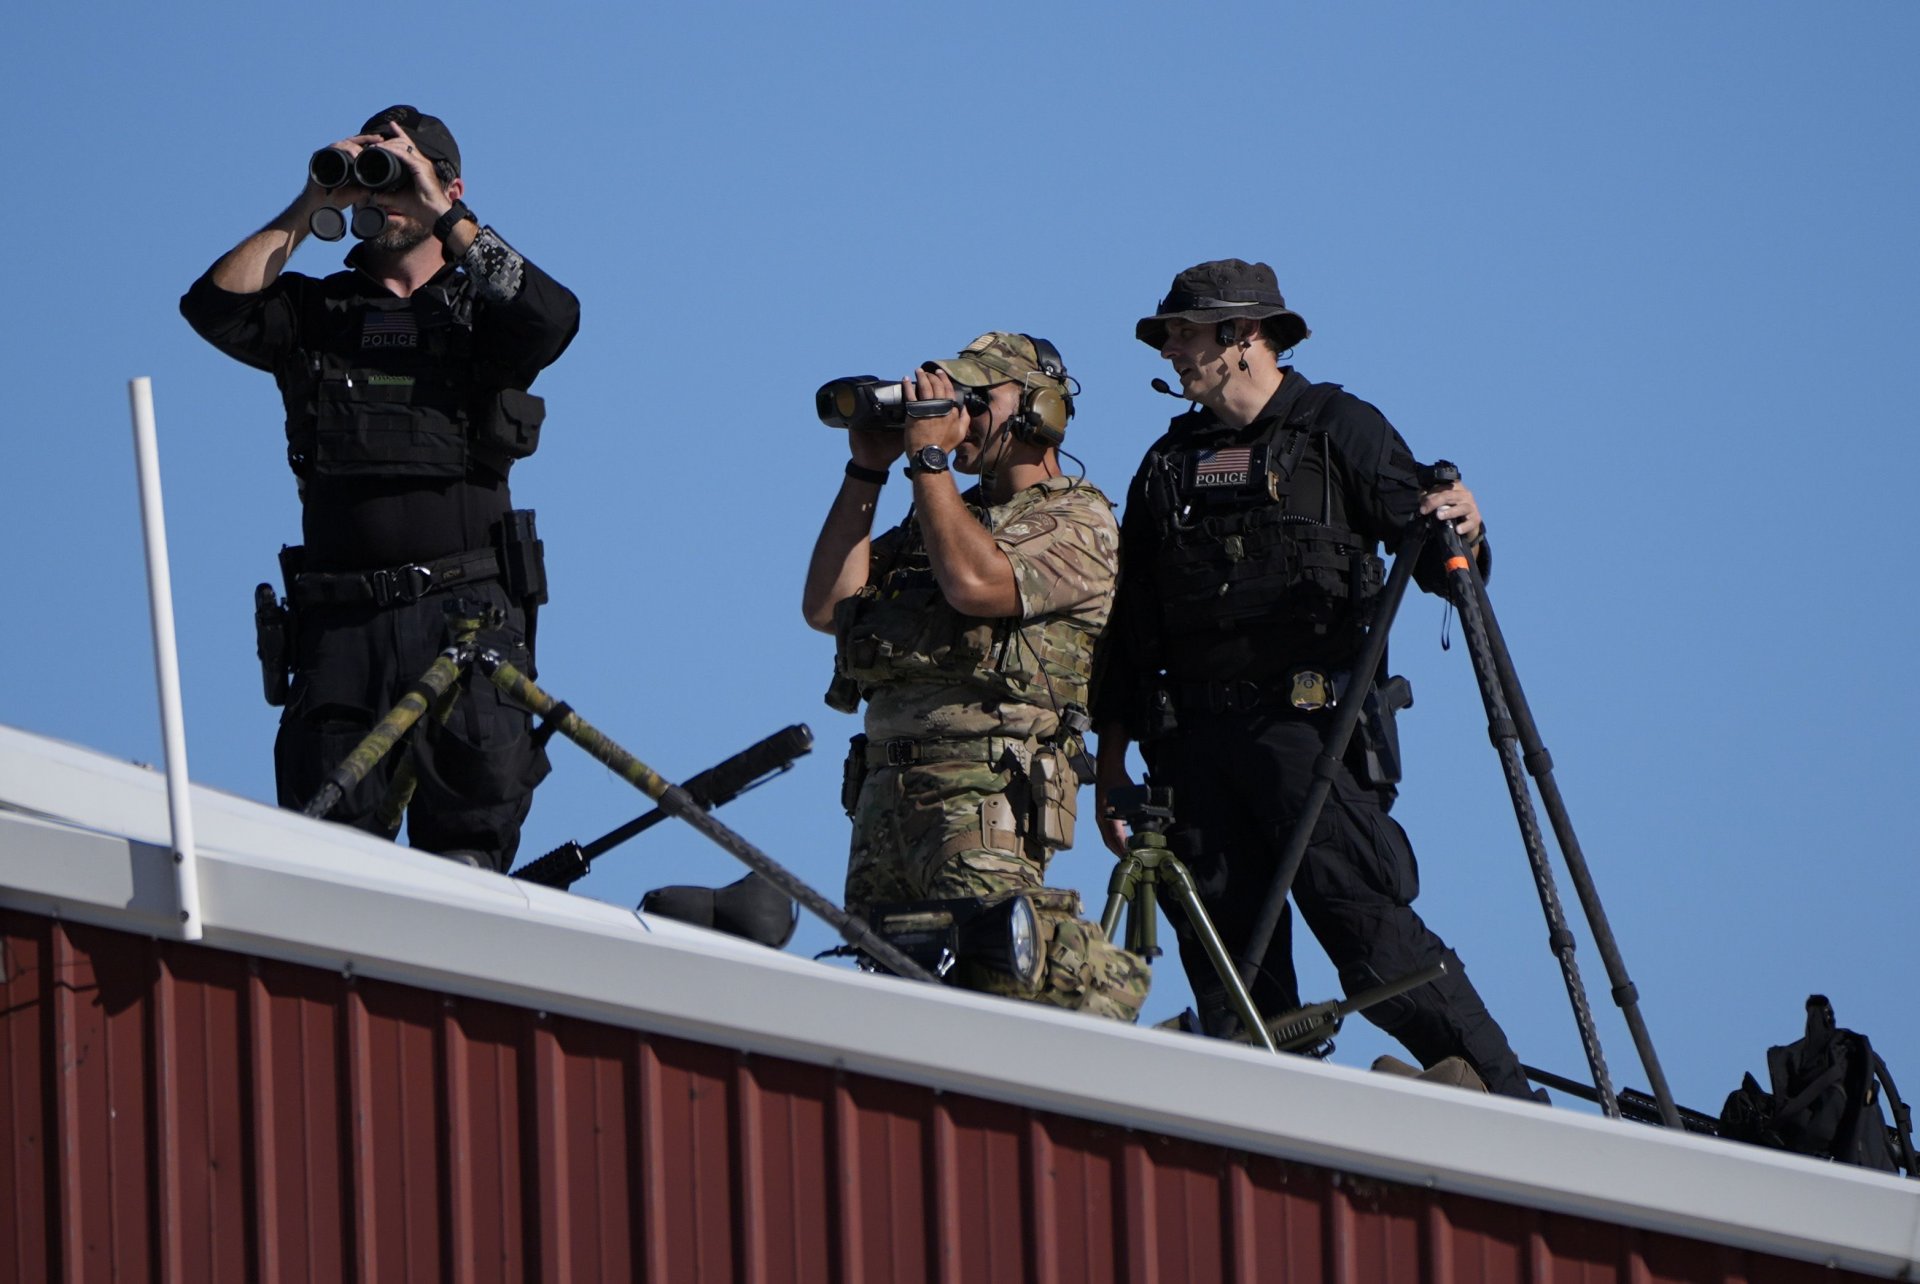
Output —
<point x="1309" y="1028"/>
<point x="751" y="767"/>
<point x="1634" y="1104"/>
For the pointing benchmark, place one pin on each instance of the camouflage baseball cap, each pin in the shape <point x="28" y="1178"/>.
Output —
<point x="1000" y="357"/>
<point x="1221" y="290"/>
<point x="429" y="133"/>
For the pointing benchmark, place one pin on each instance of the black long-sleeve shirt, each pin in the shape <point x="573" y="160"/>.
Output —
<point x="522" y="321"/>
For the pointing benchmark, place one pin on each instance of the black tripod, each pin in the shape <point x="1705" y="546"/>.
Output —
<point x="438" y="689"/>
<point x="1511" y="727"/>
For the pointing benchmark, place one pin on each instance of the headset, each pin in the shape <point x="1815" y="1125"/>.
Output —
<point x="1044" y="411"/>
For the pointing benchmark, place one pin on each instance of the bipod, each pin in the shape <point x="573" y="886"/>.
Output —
<point x="1150" y="864"/>
<point x="1511" y="727"/>
<point x="467" y="653"/>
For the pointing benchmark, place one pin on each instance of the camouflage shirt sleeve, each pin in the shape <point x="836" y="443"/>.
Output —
<point x="1065" y="553"/>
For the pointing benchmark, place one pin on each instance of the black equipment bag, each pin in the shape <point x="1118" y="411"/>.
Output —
<point x="1825" y="1100"/>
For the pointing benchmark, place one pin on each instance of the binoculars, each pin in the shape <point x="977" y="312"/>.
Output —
<point x="374" y="168"/>
<point x="870" y="403"/>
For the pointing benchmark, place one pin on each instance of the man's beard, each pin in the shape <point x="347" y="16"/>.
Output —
<point x="398" y="238"/>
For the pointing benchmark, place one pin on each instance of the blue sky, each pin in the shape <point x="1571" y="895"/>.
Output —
<point x="1645" y="271"/>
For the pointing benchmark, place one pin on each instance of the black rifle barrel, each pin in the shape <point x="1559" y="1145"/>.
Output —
<point x="675" y="801"/>
<point x="715" y="787"/>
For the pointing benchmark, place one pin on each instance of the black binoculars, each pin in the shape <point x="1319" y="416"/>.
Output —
<point x="871" y="403"/>
<point x="374" y="168"/>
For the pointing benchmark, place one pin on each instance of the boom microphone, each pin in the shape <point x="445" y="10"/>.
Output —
<point x="1160" y="385"/>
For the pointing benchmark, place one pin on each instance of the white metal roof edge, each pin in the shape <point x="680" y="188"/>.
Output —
<point x="83" y="836"/>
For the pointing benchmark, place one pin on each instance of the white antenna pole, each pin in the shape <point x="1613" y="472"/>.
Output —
<point x="166" y="658"/>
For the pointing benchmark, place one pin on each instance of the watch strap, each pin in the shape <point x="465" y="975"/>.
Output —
<point x="916" y="461"/>
<point x="457" y="214"/>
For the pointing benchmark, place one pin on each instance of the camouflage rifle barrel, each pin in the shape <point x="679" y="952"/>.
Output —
<point x="431" y="686"/>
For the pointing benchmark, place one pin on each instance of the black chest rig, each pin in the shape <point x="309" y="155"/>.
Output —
<point x="1254" y="535"/>
<point x="389" y="388"/>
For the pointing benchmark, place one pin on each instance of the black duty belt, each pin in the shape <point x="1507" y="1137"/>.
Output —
<point x="1293" y="693"/>
<point x="393" y="584"/>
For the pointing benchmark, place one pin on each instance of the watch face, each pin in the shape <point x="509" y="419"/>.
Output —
<point x="931" y="459"/>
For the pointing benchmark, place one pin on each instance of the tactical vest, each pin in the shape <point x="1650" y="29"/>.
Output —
<point x="899" y="627"/>
<point x="1238" y="545"/>
<point x="389" y="389"/>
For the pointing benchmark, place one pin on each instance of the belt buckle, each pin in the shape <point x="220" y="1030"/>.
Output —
<point x="407" y="583"/>
<point x="902" y="752"/>
<point x="1241" y="695"/>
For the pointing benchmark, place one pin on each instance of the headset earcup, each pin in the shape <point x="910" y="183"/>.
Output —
<point x="1045" y="416"/>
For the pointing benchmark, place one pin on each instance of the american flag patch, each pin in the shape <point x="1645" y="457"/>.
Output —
<point x="380" y="329"/>
<point x="1222" y="467"/>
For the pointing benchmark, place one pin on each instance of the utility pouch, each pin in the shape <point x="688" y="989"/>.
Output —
<point x="843" y="694"/>
<point x="853" y="774"/>
<point x="272" y="626"/>
<point x="508" y="425"/>
<point x="523" y="558"/>
<point x="1055" y="789"/>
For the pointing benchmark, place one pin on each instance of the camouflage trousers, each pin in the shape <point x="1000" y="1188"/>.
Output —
<point x="953" y="829"/>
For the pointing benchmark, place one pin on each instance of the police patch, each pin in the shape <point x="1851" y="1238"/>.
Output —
<point x="1027" y="528"/>
<point x="381" y="329"/>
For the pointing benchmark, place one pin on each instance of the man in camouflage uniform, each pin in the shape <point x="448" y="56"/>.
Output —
<point x="969" y="631"/>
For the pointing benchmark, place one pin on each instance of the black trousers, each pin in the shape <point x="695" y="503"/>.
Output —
<point x="476" y="772"/>
<point x="1238" y="782"/>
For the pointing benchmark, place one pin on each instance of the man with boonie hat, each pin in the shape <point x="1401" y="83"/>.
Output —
<point x="405" y="381"/>
<point x="1250" y="547"/>
<point x="968" y="631"/>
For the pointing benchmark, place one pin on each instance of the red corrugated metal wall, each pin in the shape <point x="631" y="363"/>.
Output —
<point x="178" y="1113"/>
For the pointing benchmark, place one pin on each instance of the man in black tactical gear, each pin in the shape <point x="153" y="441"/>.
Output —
<point x="405" y="381"/>
<point x="1248" y="563"/>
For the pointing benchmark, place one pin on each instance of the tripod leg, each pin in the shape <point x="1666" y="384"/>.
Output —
<point x="1501" y="730"/>
<point x="1187" y="897"/>
<point x="1335" y="748"/>
<point x="1527" y="750"/>
<point x="441" y="675"/>
<point x="676" y="801"/>
<point x="1126" y="876"/>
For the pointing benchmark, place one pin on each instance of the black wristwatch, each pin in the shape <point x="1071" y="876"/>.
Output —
<point x="927" y="459"/>
<point x="444" y="225"/>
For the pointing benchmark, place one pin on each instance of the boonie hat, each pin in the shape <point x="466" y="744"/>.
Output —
<point x="1000" y="357"/>
<point x="1221" y="290"/>
<point x="429" y="133"/>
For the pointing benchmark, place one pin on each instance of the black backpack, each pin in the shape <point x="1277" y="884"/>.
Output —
<point x="1825" y="1100"/>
